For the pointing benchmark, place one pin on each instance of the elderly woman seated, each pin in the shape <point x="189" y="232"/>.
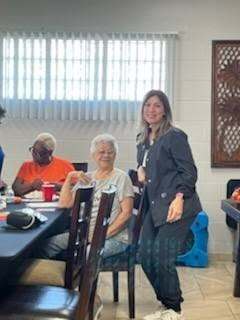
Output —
<point x="103" y="150"/>
<point x="43" y="168"/>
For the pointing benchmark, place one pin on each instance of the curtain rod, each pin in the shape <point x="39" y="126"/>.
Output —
<point x="44" y="31"/>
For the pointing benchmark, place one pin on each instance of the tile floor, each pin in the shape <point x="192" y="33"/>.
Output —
<point x="207" y="293"/>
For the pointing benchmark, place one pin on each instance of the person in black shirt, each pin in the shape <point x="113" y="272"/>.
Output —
<point x="166" y="167"/>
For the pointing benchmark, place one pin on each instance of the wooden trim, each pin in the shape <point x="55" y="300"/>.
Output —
<point x="225" y="113"/>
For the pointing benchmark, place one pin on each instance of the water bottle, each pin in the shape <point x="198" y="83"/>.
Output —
<point x="3" y="204"/>
<point x="9" y="195"/>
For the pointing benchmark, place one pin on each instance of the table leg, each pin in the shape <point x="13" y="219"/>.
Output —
<point x="236" y="290"/>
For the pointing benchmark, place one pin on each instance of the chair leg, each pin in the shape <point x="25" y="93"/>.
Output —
<point x="131" y="292"/>
<point x="115" y="286"/>
<point x="91" y="301"/>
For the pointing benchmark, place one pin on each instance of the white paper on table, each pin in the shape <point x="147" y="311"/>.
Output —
<point x="32" y="200"/>
<point x="43" y="204"/>
<point x="34" y="195"/>
<point x="46" y="209"/>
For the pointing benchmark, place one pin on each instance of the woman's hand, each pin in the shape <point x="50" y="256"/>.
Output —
<point x="175" y="210"/>
<point x="141" y="174"/>
<point x="78" y="176"/>
<point x="66" y="195"/>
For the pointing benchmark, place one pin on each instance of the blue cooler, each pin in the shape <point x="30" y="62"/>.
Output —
<point x="196" y="251"/>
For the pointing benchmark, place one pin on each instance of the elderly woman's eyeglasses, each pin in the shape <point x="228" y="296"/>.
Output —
<point x="108" y="153"/>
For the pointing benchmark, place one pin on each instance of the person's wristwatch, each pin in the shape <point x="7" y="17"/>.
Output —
<point x="180" y="195"/>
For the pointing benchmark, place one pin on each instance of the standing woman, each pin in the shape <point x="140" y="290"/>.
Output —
<point x="166" y="166"/>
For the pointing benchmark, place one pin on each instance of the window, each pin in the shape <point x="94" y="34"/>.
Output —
<point x="82" y="76"/>
<point x="75" y="69"/>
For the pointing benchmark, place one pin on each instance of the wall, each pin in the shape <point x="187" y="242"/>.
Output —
<point x="198" y="23"/>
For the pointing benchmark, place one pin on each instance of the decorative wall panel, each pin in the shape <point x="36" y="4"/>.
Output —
<point x="225" y="144"/>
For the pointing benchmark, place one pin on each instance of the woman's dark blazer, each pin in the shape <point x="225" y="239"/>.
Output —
<point x="170" y="169"/>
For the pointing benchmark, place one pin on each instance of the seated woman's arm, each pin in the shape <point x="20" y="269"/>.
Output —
<point x="21" y="187"/>
<point x="66" y="195"/>
<point x="118" y="224"/>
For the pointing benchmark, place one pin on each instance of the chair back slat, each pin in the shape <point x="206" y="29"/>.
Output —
<point x="78" y="236"/>
<point x="134" y="178"/>
<point x="138" y="211"/>
<point x="92" y="266"/>
<point x="138" y="220"/>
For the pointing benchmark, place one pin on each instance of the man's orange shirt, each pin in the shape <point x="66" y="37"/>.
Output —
<point x="56" y="171"/>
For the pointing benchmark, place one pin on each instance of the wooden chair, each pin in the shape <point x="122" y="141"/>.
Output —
<point x="125" y="261"/>
<point x="61" y="273"/>
<point x="232" y="184"/>
<point x="80" y="166"/>
<point x="49" y="302"/>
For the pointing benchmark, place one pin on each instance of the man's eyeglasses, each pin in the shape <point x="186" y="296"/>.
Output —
<point x="37" y="153"/>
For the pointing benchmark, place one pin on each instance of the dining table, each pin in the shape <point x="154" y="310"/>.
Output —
<point x="16" y="245"/>
<point x="232" y="209"/>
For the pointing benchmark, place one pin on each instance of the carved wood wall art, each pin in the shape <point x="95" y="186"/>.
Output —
<point x="225" y="140"/>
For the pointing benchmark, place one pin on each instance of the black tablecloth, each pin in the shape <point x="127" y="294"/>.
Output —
<point x="16" y="245"/>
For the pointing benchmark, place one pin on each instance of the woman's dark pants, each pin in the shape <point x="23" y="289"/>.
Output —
<point x="160" y="247"/>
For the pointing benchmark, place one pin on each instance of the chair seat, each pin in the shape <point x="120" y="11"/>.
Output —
<point x="48" y="303"/>
<point x="118" y="260"/>
<point x="44" y="271"/>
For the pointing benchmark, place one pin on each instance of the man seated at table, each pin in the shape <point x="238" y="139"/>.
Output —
<point x="43" y="168"/>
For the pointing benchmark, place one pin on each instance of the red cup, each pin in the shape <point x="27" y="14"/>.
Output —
<point x="48" y="191"/>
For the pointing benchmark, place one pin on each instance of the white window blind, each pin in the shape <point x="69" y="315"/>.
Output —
<point x="83" y="76"/>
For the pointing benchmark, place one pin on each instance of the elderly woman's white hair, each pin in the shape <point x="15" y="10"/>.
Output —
<point x="104" y="138"/>
<point x="48" y="140"/>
